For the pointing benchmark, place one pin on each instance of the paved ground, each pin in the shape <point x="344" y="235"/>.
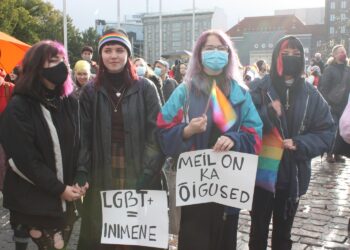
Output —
<point x="321" y="222"/>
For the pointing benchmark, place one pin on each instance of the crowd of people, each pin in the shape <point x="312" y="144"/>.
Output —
<point x="66" y="135"/>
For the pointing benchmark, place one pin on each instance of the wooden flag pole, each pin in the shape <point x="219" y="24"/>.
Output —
<point x="208" y="102"/>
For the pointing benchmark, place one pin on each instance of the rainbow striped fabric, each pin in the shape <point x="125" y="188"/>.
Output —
<point x="269" y="160"/>
<point x="119" y="37"/>
<point x="223" y="113"/>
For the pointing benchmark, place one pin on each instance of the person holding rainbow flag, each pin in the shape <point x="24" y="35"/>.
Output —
<point x="298" y="126"/>
<point x="211" y="109"/>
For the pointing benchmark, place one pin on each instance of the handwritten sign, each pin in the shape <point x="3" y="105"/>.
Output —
<point x="135" y="218"/>
<point x="226" y="178"/>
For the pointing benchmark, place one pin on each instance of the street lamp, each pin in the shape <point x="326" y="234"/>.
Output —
<point x="118" y="13"/>
<point x="193" y="21"/>
<point x="65" y="36"/>
<point x="160" y="29"/>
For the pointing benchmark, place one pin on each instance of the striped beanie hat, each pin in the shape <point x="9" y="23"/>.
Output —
<point x="114" y="35"/>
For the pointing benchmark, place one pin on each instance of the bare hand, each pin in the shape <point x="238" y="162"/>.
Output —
<point x="223" y="143"/>
<point x="71" y="193"/>
<point x="276" y="105"/>
<point x="94" y="64"/>
<point x="197" y="125"/>
<point x="289" y="144"/>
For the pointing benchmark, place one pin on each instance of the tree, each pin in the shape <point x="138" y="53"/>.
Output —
<point x="90" y="37"/>
<point x="33" y="20"/>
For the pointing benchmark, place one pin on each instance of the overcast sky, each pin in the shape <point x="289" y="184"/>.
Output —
<point x="84" y="12"/>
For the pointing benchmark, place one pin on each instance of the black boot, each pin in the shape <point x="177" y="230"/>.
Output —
<point x="330" y="158"/>
<point x="339" y="158"/>
<point x="21" y="246"/>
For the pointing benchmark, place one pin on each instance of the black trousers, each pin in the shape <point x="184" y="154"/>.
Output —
<point x="265" y="204"/>
<point x="207" y="227"/>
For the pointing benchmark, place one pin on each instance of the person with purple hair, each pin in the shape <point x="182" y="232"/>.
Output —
<point x="40" y="136"/>
<point x="186" y="123"/>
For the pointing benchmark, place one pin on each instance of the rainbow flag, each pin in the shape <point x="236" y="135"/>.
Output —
<point x="269" y="160"/>
<point x="223" y="113"/>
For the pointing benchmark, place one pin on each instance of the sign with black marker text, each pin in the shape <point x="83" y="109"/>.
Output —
<point x="226" y="178"/>
<point x="135" y="218"/>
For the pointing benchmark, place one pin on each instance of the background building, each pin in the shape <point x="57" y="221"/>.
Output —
<point x="177" y="30"/>
<point x="132" y="25"/>
<point x="308" y="16"/>
<point x="255" y="37"/>
<point x="337" y="20"/>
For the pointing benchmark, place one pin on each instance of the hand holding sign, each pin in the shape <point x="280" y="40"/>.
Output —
<point x="223" y="143"/>
<point x="226" y="178"/>
<point x="133" y="217"/>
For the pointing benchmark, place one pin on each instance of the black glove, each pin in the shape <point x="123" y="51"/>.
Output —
<point x="81" y="178"/>
<point x="144" y="182"/>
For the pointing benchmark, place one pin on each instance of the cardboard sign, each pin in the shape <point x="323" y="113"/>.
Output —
<point x="226" y="178"/>
<point x="135" y="218"/>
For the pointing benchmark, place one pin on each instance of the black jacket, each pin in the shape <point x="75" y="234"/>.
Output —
<point x="143" y="157"/>
<point x="169" y="85"/>
<point x="142" y="154"/>
<point x="159" y="85"/>
<point x="26" y="138"/>
<point x="331" y="79"/>
<point x="311" y="127"/>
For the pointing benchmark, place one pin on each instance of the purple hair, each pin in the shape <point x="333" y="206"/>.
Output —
<point x="32" y="66"/>
<point x="67" y="87"/>
<point x="231" y="70"/>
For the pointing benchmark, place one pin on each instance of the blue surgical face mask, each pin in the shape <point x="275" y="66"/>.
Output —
<point x="141" y="70"/>
<point x="214" y="59"/>
<point x="157" y="71"/>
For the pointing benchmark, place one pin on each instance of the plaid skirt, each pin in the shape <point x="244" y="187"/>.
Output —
<point x="119" y="182"/>
<point x="118" y="166"/>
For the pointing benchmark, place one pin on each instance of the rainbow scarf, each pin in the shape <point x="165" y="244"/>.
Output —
<point x="269" y="160"/>
<point x="223" y="113"/>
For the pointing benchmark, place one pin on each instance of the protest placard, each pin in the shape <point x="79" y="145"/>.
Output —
<point x="226" y="178"/>
<point x="135" y="218"/>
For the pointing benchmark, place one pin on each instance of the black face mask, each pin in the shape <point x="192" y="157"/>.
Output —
<point x="291" y="65"/>
<point x="56" y="74"/>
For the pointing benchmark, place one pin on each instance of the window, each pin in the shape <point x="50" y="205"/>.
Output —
<point x="319" y="43"/>
<point x="176" y="44"/>
<point x="342" y="16"/>
<point x="332" y="5"/>
<point x="176" y="27"/>
<point x="331" y="30"/>
<point x="342" y="29"/>
<point x="332" y="17"/>
<point x="176" y="36"/>
<point x="343" y="4"/>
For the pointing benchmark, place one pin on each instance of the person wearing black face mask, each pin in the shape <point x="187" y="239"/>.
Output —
<point x="302" y="118"/>
<point x="40" y="136"/>
<point x="56" y="74"/>
<point x="335" y="88"/>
